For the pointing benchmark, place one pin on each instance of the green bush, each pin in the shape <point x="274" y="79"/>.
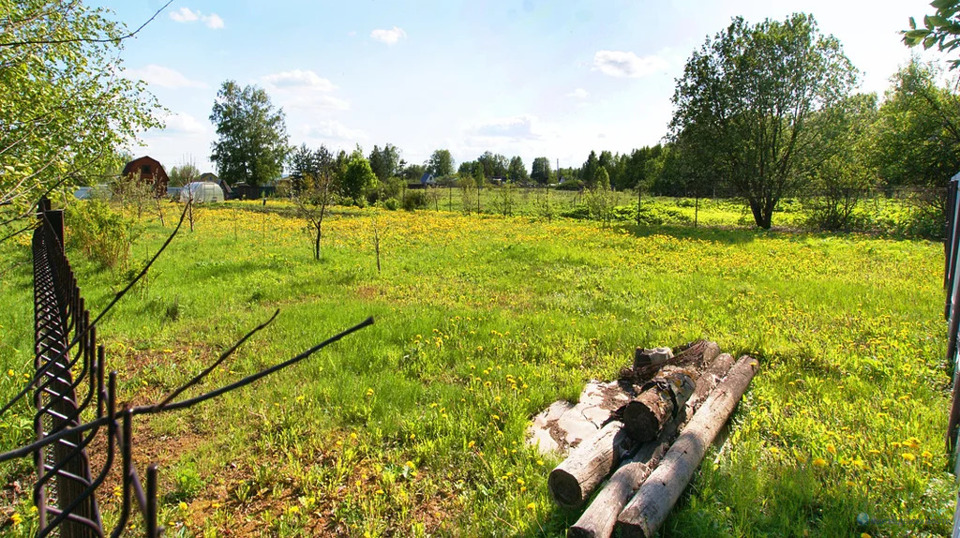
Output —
<point x="570" y="186"/>
<point x="415" y="200"/>
<point x="392" y="204"/>
<point x="101" y="233"/>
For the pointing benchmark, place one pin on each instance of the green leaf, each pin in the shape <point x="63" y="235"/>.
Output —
<point x="913" y="23"/>
<point x="943" y="4"/>
<point x="937" y="20"/>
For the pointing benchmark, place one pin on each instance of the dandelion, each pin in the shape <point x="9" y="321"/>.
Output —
<point x="819" y="462"/>
<point x="774" y="450"/>
<point x="908" y="456"/>
<point x="832" y="449"/>
<point x="353" y="436"/>
<point x="16" y="519"/>
<point x="183" y="506"/>
<point x="926" y="455"/>
<point x="410" y="465"/>
<point x="532" y="506"/>
<point x="471" y="443"/>
<point x="369" y="393"/>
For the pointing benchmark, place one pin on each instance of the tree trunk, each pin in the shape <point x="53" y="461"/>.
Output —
<point x="650" y="506"/>
<point x="316" y="246"/>
<point x="697" y="356"/>
<point x="588" y="464"/>
<point x="661" y="402"/>
<point x="599" y="519"/>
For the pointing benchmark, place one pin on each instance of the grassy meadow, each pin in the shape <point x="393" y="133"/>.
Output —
<point x="416" y="426"/>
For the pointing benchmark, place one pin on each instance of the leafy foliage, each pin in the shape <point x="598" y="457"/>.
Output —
<point x="745" y="98"/>
<point x="66" y="109"/>
<point x="941" y="29"/>
<point x="252" y="136"/>
<point x="358" y="178"/>
<point x="440" y="163"/>
<point x="101" y="233"/>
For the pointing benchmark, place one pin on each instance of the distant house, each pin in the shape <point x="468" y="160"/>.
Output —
<point x="497" y="180"/>
<point x="427" y="179"/>
<point x="212" y="178"/>
<point x="149" y="170"/>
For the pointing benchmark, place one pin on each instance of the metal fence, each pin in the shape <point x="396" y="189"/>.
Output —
<point x="76" y="400"/>
<point x="951" y="312"/>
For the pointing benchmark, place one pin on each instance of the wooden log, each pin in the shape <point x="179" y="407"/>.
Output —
<point x="572" y="481"/>
<point x="696" y="355"/>
<point x="661" y="402"/>
<point x="599" y="519"/>
<point x="650" y="506"/>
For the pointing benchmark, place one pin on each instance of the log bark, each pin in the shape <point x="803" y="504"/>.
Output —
<point x="599" y="519"/>
<point x="572" y="481"/>
<point x="661" y="402"/>
<point x="696" y="355"/>
<point x="650" y="506"/>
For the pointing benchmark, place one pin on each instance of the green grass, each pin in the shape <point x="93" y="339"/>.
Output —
<point x="416" y="425"/>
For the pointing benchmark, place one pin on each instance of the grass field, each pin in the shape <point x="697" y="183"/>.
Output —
<point x="415" y="426"/>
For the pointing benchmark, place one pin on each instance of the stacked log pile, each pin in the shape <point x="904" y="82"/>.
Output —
<point x="651" y="447"/>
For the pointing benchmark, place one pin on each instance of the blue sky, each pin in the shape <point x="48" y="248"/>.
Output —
<point x="526" y="77"/>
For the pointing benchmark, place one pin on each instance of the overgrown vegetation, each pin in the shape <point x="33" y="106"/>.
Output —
<point x="416" y="425"/>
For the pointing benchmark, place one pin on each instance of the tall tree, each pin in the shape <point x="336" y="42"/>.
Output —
<point x="65" y="109"/>
<point x="252" y="136"/>
<point x="918" y="134"/>
<point x="358" y="178"/>
<point x="745" y="98"/>
<point x="517" y="172"/>
<point x="440" y="163"/>
<point x="540" y="171"/>
<point x="493" y="165"/>
<point x="316" y="163"/>
<point x="385" y="162"/>
<point x="588" y="171"/>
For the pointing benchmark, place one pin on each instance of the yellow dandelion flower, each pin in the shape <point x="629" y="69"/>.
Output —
<point x="16" y="519"/>
<point x="183" y="506"/>
<point x="410" y="465"/>
<point x="532" y="506"/>
<point x="831" y="449"/>
<point x="353" y="436"/>
<point x="774" y="450"/>
<point x="908" y="456"/>
<point x="471" y="443"/>
<point x="819" y="462"/>
<point x="926" y="455"/>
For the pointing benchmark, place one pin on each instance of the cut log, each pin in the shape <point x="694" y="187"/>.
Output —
<point x="599" y="519"/>
<point x="661" y="401"/>
<point x="649" y="507"/>
<point x="651" y="357"/>
<point x="588" y="464"/>
<point x="696" y="355"/>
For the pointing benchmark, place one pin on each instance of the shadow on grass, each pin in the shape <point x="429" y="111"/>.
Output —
<point x="720" y="235"/>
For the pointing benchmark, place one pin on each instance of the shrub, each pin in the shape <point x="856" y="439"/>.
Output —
<point x="570" y="186"/>
<point x="101" y="233"/>
<point x="415" y="200"/>
<point x="392" y="204"/>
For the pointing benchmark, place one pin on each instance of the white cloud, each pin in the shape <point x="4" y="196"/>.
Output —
<point x="515" y="127"/>
<point x="303" y="90"/>
<point x="187" y="15"/>
<point x="618" y="63"/>
<point x="333" y="130"/>
<point x="164" y="77"/>
<point x="183" y="123"/>
<point x="578" y="93"/>
<point x="390" y="37"/>
<point x="298" y="78"/>
<point x="213" y="21"/>
<point x="184" y="14"/>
